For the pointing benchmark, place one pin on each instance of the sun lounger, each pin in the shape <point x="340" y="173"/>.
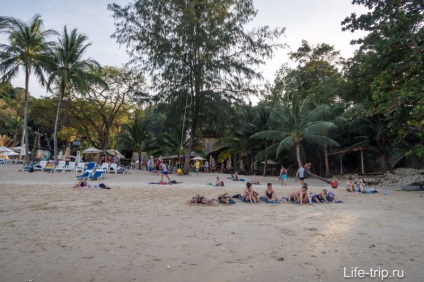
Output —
<point x="97" y="175"/>
<point x="60" y="166"/>
<point x="105" y="167"/>
<point x="70" y="166"/>
<point x="91" y="166"/>
<point x="40" y="166"/>
<point x="80" y="167"/>
<point x="83" y="176"/>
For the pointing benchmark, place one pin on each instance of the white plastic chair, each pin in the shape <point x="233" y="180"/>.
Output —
<point x="60" y="166"/>
<point x="70" y="166"/>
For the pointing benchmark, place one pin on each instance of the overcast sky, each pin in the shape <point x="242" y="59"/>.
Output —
<point x="317" y="21"/>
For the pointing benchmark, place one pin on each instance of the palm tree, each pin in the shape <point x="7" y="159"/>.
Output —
<point x="28" y="49"/>
<point x="68" y="70"/>
<point x="135" y="137"/>
<point x="297" y="122"/>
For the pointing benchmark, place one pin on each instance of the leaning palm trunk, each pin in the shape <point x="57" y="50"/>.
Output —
<point x="319" y="177"/>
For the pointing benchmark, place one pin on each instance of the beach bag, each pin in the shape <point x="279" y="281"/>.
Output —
<point x="31" y="169"/>
<point x="103" y="186"/>
<point x="334" y="184"/>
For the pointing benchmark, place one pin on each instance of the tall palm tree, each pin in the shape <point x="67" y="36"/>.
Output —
<point x="28" y="49"/>
<point x="135" y="137"/>
<point x="69" y="70"/>
<point x="298" y="121"/>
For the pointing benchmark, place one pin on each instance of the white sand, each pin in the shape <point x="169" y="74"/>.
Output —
<point x="138" y="232"/>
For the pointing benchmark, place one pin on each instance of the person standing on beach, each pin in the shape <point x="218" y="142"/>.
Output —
<point x="197" y="165"/>
<point x="283" y="176"/>
<point x="206" y="166"/>
<point x="301" y="174"/>
<point x="164" y="171"/>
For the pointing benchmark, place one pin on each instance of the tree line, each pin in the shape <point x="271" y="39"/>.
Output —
<point x="200" y="64"/>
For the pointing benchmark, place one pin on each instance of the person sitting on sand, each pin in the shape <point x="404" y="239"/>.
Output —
<point x="350" y="186"/>
<point x="249" y="194"/>
<point x="225" y="198"/>
<point x="219" y="182"/>
<point x="323" y="196"/>
<point x="300" y="197"/>
<point x="314" y="198"/>
<point x="200" y="200"/>
<point x="331" y="198"/>
<point x="360" y="186"/>
<point x="236" y="176"/>
<point x="269" y="193"/>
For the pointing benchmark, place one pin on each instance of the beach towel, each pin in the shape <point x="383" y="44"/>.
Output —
<point x="272" y="202"/>
<point x="243" y="199"/>
<point x="369" y="191"/>
<point x="160" y="183"/>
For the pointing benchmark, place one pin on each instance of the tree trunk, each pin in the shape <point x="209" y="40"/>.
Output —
<point x="56" y="126"/>
<point x="327" y="166"/>
<point x="27" y="72"/>
<point x="319" y="177"/>
<point x="299" y="161"/>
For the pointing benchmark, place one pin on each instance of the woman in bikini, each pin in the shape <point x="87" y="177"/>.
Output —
<point x="200" y="200"/>
<point x="249" y="194"/>
<point x="270" y="193"/>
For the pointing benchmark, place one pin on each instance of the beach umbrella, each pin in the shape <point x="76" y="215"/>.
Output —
<point x="91" y="150"/>
<point x="78" y="158"/>
<point x="228" y="163"/>
<point x="115" y="153"/>
<point x="5" y="149"/>
<point x="11" y="153"/>
<point x="60" y="156"/>
<point x="198" y="159"/>
<point x="67" y="155"/>
<point x="241" y="165"/>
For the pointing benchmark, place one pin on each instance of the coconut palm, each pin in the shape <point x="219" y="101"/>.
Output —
<point x="135" y="137"/>
<point x="69" y="70"/>
<point x="27" y="49"/>
<point x="296" y="122"/>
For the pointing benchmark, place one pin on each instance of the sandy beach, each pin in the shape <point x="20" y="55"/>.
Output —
<point x="50" y="231"/>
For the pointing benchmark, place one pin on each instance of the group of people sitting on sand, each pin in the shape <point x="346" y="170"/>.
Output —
<point x="305" y="197"/>
<point x="355" y="187"/>
<point x="251" y="196"/>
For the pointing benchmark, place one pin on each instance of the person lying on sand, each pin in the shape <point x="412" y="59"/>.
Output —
<point x="219" y="182"/>
<point x="200" y="200"/>
<point x="255" y="181"/>
<point x="249" y="194"/>
<point x="225" y="198"/>
<point x="269" y="193"/>
<point x="82" y="184"/>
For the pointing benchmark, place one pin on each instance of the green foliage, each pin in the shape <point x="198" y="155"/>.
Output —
<point x="389" y="65"/>
<point x="27" y="49"/>
<point x="195" y="46"/>
<point x="100" y="112"/>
